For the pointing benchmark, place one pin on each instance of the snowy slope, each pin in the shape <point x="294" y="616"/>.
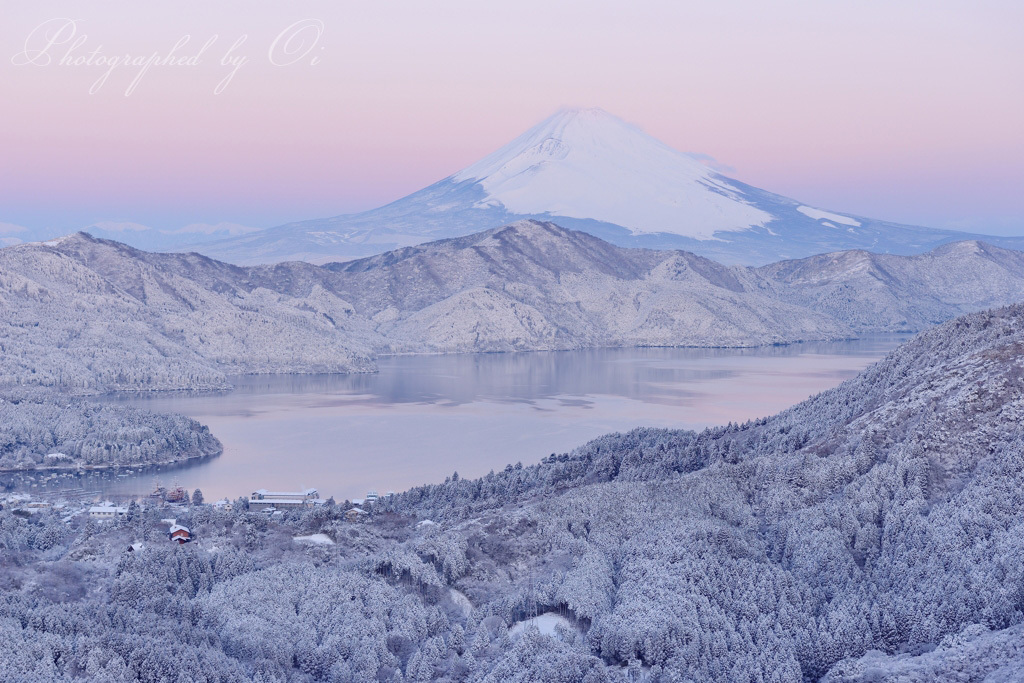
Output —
<point x="870" y="533"/>
<point x="887" y="292"/>
<point x="588" y="170"/>
<point x="585" y="163"/>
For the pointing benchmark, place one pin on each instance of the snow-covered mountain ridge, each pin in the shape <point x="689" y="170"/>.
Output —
<point x="88" y="314"/>
<point x="588" y="170"/>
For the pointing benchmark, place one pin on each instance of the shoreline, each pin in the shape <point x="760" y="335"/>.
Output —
<point x="212" y="391"/>
<point x="83" y="469"/>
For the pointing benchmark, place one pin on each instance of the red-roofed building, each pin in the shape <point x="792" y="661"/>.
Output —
<point x="180" y="534"/>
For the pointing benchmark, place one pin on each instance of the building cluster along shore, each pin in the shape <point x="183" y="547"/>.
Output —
<point x="69" y="505"/>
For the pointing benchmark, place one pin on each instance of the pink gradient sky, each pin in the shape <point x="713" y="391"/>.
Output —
<point x="906" y="111"/>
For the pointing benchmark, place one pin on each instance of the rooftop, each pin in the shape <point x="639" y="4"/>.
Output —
<point x="107" y="508"/>
<point x="277" y="494"/>
<point x="282" y="501"/>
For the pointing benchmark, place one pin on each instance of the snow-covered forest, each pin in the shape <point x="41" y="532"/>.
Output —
<point x="39" y="429"/>
<point x="870" y="533"/>
<point x="83" y="315"/>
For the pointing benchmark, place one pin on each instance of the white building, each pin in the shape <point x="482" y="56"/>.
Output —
<point x="107" y="511"/>
<point x="283" y="500"/>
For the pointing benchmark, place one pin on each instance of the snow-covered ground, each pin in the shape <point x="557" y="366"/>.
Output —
<point x="819" y="215"/>
<point x="460" y="599"/>
<point x="315" y="539"/>
<point x="545" y="623"/>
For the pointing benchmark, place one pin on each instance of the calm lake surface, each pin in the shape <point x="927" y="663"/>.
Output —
<point x="422" y="417"/>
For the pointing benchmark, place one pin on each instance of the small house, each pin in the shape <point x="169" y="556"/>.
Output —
<point x="355" y="514"/>
<point x="179" y="534"/>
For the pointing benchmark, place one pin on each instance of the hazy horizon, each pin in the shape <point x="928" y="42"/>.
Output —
<point x="901" y="113"/>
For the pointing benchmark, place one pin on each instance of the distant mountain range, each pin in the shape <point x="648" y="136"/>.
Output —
<point x="88" y="314"/>
<point x="588" y="170"/>
<point x="135" y="234"/>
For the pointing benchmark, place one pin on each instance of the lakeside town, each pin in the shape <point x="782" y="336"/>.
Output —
<point x="176" y="500"/>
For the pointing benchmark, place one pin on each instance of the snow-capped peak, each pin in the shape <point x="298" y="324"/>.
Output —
<point x="586" y="163"/>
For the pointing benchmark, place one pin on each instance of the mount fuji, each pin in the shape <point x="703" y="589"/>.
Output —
<point x="588" y="170"/>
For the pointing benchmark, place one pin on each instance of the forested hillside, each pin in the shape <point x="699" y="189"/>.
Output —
<point x="535" y="285"/>
<point x="871" y="533"/>
<point x="81" y="314"/>
<point x="883" y="514"/>
<point x="886" y="292"/>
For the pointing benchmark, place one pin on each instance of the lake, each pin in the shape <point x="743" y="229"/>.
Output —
<point x="420" y="418"/>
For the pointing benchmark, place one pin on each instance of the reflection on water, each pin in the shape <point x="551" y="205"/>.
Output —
<point x="422" y="417"/>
